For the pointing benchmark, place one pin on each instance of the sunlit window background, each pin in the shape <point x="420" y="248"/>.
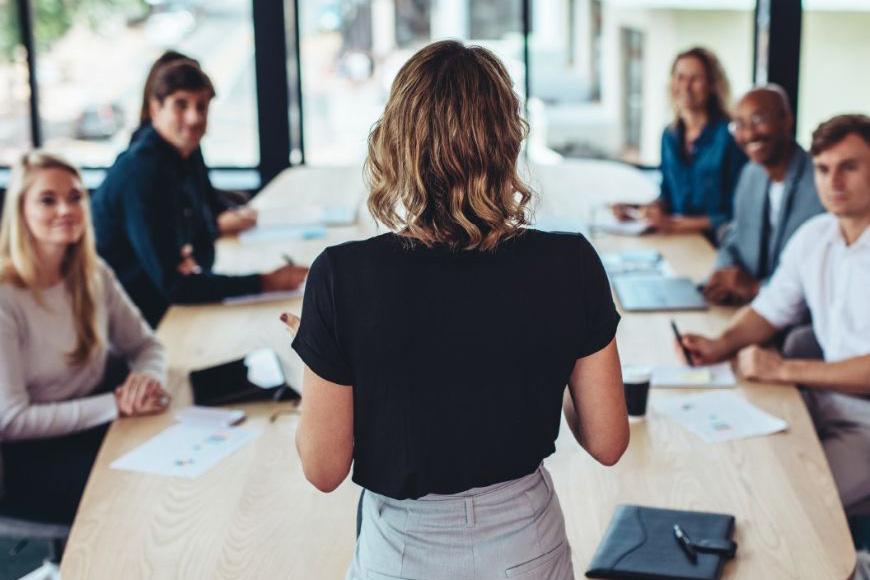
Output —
<point x="598" y="69"/>
<point x="93" y="55"/>
<point x="351" y="50"/>
<point x="14" y="89"/>
<point x="835" y="47"/>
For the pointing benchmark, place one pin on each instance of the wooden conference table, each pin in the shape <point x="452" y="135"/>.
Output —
<point x="255" y="516"/>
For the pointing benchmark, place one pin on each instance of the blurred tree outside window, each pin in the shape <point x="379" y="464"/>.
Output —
<point x="14" y="88"/>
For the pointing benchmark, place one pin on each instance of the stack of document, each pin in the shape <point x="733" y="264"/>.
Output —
<point x="276" y="296"/>
<point x="607" y="223"/>
<point x="648" y="262"/>
<point x="303" y="222"/>
<point x="710" y="376"/>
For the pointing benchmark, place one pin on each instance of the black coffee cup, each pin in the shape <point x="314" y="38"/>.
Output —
<point x="635" y="381"/>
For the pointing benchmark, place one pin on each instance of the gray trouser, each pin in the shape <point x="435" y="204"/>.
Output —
<point x="843" y="424"/>
<point x="513" y="529"/>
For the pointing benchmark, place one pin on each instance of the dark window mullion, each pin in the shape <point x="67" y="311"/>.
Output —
<point x="778" y="29"/>
<point x="297" y="53"/>
<point x="270" y="56"/>
<point x="25" y="26"/>
<point x="525" y="22"/>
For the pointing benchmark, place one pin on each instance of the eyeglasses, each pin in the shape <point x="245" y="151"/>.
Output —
<point x="755" y="121"/>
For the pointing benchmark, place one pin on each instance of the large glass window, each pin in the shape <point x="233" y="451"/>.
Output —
<point x="600" y="70"/>
<point x="14" y="88"/>
<point x="352" y="49"/>
<point x="834" y="47"/>
<point x="93" y="55"/>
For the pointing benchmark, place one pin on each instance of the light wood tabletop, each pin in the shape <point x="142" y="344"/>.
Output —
<point x="255" y="516"/>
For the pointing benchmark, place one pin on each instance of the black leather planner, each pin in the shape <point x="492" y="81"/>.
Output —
<point x="641" y="543"/>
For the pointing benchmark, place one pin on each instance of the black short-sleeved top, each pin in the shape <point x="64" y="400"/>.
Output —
<point x="458" y="360"/>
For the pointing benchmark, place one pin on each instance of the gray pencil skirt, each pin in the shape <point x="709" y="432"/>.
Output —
<point x="513" y="529"/>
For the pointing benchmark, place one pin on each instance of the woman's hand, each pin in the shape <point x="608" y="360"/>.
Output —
<point x="656" y="216"/>
<point x="141" y="394"/>
<point x="625" y="212"/>
<point x="236" y="220"/>
<point x="188" y="264"/>
<point x="291" y="321"/>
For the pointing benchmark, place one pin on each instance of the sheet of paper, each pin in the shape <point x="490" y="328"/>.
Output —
<point x="633" y="262"/>
<point x="607" y="223"/>
<point x="306" y="215"/>
<point x="185" y="450"/>
<point x="265" y="297"/>
<point x="720" y="416"/>
<point x="281" y="232"/>
<point x="562" y="224"/>
<point x="715" y="376"/>
<point x="210" y="417"/>
<point x="290" y="216"/>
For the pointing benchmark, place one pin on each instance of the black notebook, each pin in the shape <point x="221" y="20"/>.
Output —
<point x="257" y="377"/>
<point x="640" y="543"/>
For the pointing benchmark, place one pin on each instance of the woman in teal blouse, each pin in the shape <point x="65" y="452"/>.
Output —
<point x="700" y="161"/>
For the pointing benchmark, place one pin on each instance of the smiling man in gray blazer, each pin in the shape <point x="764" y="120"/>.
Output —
<point x="776" y="193"/>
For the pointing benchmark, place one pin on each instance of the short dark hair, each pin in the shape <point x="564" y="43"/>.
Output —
<point x="838" y="128"/>
<point x="180" y="75"/>
<point x="164" y="59"/>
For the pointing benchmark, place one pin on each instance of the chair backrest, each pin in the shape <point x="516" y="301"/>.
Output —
<point x="18" y="528"/>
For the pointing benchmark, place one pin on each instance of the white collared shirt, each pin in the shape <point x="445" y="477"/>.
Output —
<point x="817" y="270"/>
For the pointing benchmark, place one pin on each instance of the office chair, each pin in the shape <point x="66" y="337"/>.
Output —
<point x="26" y="530"/>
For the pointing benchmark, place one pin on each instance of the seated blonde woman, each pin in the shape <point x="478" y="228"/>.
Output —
<point x="437" y="356"/>
<point x="61" y="312"/>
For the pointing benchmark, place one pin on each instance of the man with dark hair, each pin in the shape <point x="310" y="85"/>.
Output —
<point x="152" y="217"/>
<point x="774" y="197"/>
<point x="229" y="207"/>
<point x="824" y="268"/>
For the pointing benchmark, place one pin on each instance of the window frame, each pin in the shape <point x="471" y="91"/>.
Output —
<point x="777" y="23"/>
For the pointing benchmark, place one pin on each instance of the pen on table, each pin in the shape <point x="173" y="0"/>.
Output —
<point x="680" y="342"/>
<point x="685" y="543"/>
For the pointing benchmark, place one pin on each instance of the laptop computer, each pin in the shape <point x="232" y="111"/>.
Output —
<point x="639" y="293"/>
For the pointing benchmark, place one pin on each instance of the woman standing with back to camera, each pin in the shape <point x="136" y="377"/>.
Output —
<point x="437" y="355"/>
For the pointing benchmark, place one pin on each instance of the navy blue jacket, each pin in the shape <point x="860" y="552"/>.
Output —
<point x="152" y="203"/>
<point x="702" y="184"/>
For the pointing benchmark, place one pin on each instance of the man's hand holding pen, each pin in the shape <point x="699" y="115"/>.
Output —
<point x="287" y="277"/>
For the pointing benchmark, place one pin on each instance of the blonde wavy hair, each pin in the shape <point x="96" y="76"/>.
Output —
<point x="442" y="160"/>
<point x="19" y="262"/>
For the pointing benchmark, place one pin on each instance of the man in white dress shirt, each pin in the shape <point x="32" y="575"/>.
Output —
<point x="824" y="268"/>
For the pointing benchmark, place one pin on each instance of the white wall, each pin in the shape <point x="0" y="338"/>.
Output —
<point x="835" y="68"/>
<point x="729" y="33"/>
